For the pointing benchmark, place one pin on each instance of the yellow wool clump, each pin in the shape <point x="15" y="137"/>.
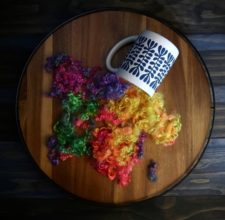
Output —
<point x="166" y="130"/>
<point x="143" y="113"/>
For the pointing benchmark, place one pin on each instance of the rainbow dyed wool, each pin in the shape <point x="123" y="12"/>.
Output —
<point x="105" y="119"/>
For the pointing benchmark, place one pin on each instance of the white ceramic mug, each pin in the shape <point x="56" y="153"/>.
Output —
<point x="148" y="61"/>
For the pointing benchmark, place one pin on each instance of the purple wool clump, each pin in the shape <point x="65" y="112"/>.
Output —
<point x="140" y="144"/>
<point x="107" y="86"/>
<point x="152" y="169"/>
<point x="52" y="142"/>
<point x="54" y="61"/>
<point x="53" y="156"/>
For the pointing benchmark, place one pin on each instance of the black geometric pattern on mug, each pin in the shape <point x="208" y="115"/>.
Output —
<point x="134" y="51"/>
<point x="168" y="62"/>
<point x="143" y="58"/>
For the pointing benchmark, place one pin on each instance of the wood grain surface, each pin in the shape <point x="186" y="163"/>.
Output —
<point x="189" y="16"/>
<point x="186" y="90"/>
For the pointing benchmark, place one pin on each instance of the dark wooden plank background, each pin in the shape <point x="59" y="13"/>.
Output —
<point x="24" y="190"/>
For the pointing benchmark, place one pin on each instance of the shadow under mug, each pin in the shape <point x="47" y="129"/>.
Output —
<point x="148" y="61"/>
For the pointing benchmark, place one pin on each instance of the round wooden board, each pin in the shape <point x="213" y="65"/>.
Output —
<point x="186" y="90"/>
